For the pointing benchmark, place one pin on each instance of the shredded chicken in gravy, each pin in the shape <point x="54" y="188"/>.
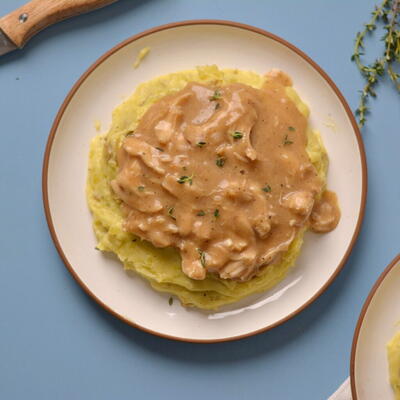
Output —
<point x="222" y="174"/>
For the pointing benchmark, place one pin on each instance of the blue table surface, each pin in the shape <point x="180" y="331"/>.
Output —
<point x="56" y="343"/>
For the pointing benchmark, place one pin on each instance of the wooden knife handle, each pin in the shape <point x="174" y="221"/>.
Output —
<point x="21" y="24"/>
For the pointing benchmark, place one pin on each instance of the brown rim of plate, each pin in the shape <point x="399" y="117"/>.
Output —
<point x="360" y="321"/>
<point x="180" y="24"/>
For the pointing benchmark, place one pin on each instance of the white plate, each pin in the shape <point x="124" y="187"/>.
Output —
<point x="175" y="47"/>
<point x="378" y="322"/>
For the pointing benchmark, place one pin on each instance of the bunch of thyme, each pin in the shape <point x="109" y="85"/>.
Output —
<point x="388" y="12"/>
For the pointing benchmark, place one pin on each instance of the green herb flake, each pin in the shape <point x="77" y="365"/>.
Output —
<point x="184" y="179"/>
<point x="290" y="128"/>
<point x="201" y="213"/>
<point x="200" y="144"/>
<point x="216" y="213"/>
<point x="267" y="189"/>
<point x="216" y="96"/>
<point x="286" y="141"/>
<point x="220" y="161"/>
<point x="171" y="213"/>
<point x="171" y="301"/>
<point x="140" y="188"/>
<point x="237" y="135"/>
<point x="202" y="257"/>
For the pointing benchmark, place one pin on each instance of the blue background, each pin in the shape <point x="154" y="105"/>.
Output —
<point x="56" y="343"/>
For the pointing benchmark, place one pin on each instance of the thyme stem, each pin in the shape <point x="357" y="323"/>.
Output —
<point x="388" y="12"/>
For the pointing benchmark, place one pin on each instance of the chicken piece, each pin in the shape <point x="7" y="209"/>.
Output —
<point x="242" y="268"/>
<point x="274" y="252"/>
<point x="262" y="226"/>
<point x="233" y="270"/>
<point x="219" y="255"/>
<point x="166" y="127"/>
<point x="239" y="190"/>
<point x="139" y="198"/>
<point x="175" y="185"/>
<point x="193" y="261"/>
<point x="241" y="226"/>
<point x="148" y="154"/>
<point x="300" y="203"/>
<point x="193" y="269"/>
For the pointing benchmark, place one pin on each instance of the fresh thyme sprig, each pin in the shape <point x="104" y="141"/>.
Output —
<point x="387" y="12"/>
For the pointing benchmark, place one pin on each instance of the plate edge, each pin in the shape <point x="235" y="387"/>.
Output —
<point x="360" y="321"/>
<point x="233" y="24"/>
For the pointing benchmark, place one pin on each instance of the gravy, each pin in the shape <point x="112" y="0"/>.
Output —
<point x="222" y="174"/>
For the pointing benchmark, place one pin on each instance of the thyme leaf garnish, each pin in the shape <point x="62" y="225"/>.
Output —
<point x="286" y="141"/>
<point x="220" y="161"/>
<point x="216" y="96"/>
<point x="171" y="212"/>
<point x="267" y="189"/>
<point x="184" y="179"/>
<point x="202" y="257"/>
<point x="237" y="135"/>
<point x="388" y="12"/>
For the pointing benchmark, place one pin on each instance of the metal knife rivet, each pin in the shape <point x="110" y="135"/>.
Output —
<point x="23" y="18"/>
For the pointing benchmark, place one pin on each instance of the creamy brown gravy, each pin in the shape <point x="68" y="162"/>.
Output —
<point x="223" y="175"/>
<point x="326" y="213"/>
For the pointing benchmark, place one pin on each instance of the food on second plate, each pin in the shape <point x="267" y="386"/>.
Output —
<point x="393" y="354"/>
<point x="207" y="181"/>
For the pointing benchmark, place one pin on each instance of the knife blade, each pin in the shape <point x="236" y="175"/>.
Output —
<point x="20" y="25"/>
<point x="6" y="45"/>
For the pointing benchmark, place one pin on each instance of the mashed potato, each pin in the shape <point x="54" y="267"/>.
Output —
<point x="162" y="266"/>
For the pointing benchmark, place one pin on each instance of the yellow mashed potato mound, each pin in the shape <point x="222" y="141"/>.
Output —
<point x="162" y="266"/>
